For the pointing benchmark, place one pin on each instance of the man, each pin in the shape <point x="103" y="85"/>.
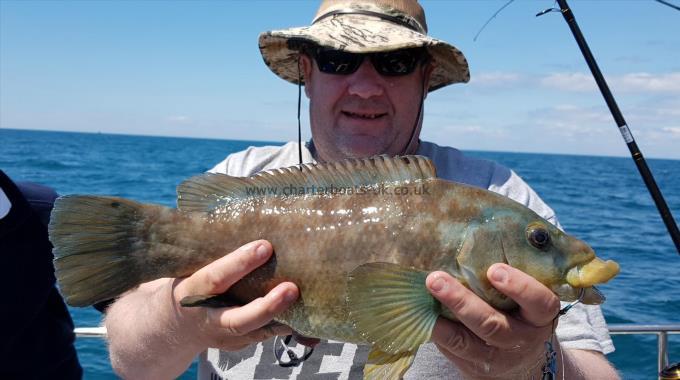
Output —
<point x="361" y="104"/>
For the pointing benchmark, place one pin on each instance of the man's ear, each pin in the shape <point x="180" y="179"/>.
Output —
<point x="306" y="66"/>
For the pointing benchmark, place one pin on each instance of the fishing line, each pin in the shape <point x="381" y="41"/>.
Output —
<point x="564" y="310"/>
<point x="491" y="18"/>
<point x="550" y="367"/>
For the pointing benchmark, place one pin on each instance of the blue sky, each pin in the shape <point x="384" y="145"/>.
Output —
<point x="193" y="69"/>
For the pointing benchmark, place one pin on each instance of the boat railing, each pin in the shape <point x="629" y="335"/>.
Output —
<point x="90" y="332"/>
<point x="661" y="331"/>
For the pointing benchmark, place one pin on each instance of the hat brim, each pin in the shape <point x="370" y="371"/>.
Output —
<point x="360" y="34"/>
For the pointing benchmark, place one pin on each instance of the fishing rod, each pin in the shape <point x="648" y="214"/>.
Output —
<point x="677" y="8"/>
<point x="635" y="152"/>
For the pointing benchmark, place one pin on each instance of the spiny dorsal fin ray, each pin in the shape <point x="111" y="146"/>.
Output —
<point x="208" y="191"/>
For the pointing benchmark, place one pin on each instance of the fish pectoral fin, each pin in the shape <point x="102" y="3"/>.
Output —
<point x="382" y="365"/>
<point x="390" y="306"/>
<point x="210" y="300"/>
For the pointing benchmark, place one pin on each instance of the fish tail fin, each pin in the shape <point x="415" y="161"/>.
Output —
<point x="99" y="252"/>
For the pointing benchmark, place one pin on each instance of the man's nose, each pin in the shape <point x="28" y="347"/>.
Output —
<point x="366" y="82"/>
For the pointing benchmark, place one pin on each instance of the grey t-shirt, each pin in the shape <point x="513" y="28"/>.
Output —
<point x="583" y="327"/>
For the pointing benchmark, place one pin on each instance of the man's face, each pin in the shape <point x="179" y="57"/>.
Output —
<point x="364" y="113"/>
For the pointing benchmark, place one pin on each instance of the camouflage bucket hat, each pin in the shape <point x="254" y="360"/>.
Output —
<point x="364" y="26"/>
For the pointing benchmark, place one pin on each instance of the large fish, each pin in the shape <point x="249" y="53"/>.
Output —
<point x="357" y="237"/>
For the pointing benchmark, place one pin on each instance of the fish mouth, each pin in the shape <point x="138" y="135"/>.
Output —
<point x="591" y="295"/>
<point x="595" y="271"/>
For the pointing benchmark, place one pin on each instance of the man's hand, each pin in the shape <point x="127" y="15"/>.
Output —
<point x="148" y="322"/>
<point x="234" y="328"/>
<point x="488" y="343"/>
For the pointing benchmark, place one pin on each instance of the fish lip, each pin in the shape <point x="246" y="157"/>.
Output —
<point x="591" y="272"/>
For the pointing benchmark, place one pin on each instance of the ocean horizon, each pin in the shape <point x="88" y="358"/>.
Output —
<point x="600" y="199"/>
<point x="273" y="142"/>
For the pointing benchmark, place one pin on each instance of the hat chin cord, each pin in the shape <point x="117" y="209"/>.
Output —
<point x="412" y="144"/>
<point x="298" y="114"/>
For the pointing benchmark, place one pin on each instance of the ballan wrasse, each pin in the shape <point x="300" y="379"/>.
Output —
<point x="358" y="238"/>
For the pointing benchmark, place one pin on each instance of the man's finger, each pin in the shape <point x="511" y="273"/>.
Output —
<point x="242" y="320"/>
<point x="538" y="305"/>
<point x="220" y="275"/>
<point x="489" y="324"/>
<point x="454" y="339"/>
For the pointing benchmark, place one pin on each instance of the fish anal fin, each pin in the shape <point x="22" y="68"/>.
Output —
<point x="390" y="306"/>
<point x="210" y="191"/>
<point x="382" y="365"/>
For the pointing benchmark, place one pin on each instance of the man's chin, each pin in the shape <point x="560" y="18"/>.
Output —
<point x="362" y="149"/>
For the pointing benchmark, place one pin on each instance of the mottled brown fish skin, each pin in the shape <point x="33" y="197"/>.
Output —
<point x="319" y="239"/>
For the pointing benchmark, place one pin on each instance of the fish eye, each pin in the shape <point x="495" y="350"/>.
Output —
<point x="538" y="236"/>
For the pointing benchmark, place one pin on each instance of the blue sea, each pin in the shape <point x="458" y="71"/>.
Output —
<point x="599" y="199"/>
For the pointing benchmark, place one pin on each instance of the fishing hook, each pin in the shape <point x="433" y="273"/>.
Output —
<point x="564" y="310"/>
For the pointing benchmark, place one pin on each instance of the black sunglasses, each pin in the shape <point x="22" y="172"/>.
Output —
<point x="390" y="63"/>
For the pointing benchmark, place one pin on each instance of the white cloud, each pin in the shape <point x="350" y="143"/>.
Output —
<point x="178" y="119"/>
<point x="569" y="81"/>
<point x="670" y="111"/>
<point x="570" y="119"/>
<point x="650" y="82"/>
<point x="472" y="130"/>
<point x="496" y="78"/>
<point x="631" y="82"/>
<point x="674" y="131"/>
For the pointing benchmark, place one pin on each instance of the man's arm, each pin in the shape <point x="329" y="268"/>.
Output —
<point x="584" y="364"/>
<point x="489" y="344"/>
<point x="151" y="336"/>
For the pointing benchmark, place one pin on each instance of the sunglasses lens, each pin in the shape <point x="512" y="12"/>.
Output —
<point x="391" y="63"/>
<point x="337" y="62"/>
<point x="398" y="62"/>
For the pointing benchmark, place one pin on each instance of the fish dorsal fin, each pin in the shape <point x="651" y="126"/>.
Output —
<point x="208" y="191"/>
